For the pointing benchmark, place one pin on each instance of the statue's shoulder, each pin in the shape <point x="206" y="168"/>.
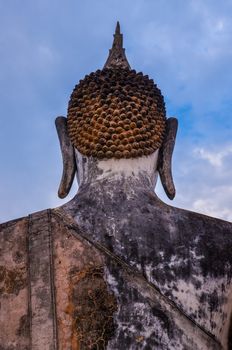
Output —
<point x="13" y="236"/>
<point x="12" y="225"/>
<point x="196" y="236"/>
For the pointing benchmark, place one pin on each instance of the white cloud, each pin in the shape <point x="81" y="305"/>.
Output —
<point x="213" y="207"/>
<point x="215" y="158"/>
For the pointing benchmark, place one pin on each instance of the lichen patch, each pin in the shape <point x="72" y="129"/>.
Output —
<point x="12" y="280"/>
<point x="93" y="307"/>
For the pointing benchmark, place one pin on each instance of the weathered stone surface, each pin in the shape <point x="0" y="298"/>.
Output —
<point x="14" y="319"/>
<point x="85" y="304"/>
<point x="186" y="256"/>
<point x="42" y="308"/>
<point x="144" y="319"/>
<point x="54" y="294"/>
<point x="104" y="295"/>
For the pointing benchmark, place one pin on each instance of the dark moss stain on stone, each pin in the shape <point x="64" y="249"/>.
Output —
<point x="214" y="300"/>
<point x="12" y="281"/>
<point x="217" y="251"/>
<point x="24" y="326"/>
<point x="93" y="310"/>
<point x="163" y="318"/>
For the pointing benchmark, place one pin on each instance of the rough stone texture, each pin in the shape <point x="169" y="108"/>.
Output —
<point x="41" y="273"/>
<point x="14" y="318"/>
<point x="54" y="294"/>
<point x="144" y="319"/>
<point x="85" y="305"/>
<point x="186" y="256"/>
<point x="147" y="321"/>
<point x="110" y="292"/>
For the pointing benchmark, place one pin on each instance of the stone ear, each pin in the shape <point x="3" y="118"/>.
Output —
<point x="165" y="158"/>
<point x="68" y="155"/>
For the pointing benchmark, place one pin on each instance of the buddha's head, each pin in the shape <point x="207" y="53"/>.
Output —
<point x="116" y="117"/>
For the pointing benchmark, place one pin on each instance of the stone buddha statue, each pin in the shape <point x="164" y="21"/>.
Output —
<point x="116" y="268"/>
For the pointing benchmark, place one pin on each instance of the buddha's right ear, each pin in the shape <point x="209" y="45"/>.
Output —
<point x="68" y="155"/>
<point x="165" y="157"/>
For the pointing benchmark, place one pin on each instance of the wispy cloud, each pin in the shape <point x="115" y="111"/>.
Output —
<point x="219" y="205"/>
<point x="215" y="158"/>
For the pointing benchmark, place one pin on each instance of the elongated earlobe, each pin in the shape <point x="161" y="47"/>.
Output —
<point x="68" y="155"/>
<point x="165" y="158"/>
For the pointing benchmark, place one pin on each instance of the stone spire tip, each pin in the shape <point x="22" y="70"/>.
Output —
<point x="117" y="57"/>
<point x="117" y="29"/>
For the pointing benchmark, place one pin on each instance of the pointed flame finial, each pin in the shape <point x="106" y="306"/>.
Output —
<point x="117" y="30"/>
<point x="117" y="57"/>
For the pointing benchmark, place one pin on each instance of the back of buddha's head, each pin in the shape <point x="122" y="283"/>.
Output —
<point x="113" y="114"/>
<point x="116" y="112"/>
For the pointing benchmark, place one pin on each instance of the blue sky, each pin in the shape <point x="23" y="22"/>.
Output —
<point x="47" y="46"/>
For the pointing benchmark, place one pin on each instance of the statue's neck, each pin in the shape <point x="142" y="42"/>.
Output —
<point x="110" y="195"/>
<point x="129" y="173"/>
<point x="110" y="187"/>
<point x="103" y="183"/>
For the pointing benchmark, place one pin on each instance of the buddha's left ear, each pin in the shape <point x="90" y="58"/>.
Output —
<point x="165" y="157"/>
<point x="68" y="155"/>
